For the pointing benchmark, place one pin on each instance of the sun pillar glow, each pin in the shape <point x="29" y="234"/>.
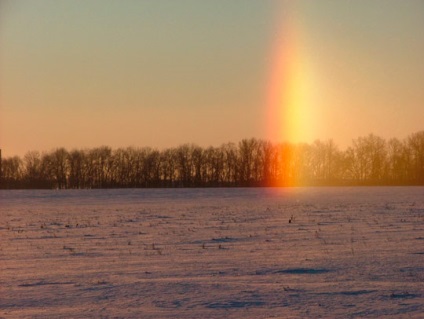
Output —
<point x="290" y="117"/>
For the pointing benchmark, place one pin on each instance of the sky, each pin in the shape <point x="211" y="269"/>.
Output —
<point x="81" y="74"/>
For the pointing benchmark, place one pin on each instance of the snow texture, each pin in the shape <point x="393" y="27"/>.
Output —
<point x="213" y="253"/>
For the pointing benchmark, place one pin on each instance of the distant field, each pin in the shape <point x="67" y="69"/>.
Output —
<point x="213" y="253"/>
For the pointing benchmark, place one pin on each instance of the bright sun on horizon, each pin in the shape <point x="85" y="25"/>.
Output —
<point x="162" y="73"/>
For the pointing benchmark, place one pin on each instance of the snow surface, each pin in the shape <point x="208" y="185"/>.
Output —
<point x="213" y="253"/>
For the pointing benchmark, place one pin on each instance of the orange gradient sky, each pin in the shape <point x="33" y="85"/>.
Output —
<point x="161" y="73"/>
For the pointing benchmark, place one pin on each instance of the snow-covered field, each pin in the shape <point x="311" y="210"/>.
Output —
<point x="213" y="253"/>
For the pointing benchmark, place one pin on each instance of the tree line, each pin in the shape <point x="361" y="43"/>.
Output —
<point x="370" y="160"/>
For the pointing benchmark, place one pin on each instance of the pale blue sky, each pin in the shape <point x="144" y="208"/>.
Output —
<point x="160" y="73"/>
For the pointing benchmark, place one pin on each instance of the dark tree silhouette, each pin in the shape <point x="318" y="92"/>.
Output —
<point x="370" y="160"/>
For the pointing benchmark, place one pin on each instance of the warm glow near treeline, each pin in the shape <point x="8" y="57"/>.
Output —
<point x="163" y="73"/>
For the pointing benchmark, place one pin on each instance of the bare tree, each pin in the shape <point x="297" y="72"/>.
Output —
<point x="415" y="144"/>
<point x="12" y="172"/>
<point x="32" y="170"/>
